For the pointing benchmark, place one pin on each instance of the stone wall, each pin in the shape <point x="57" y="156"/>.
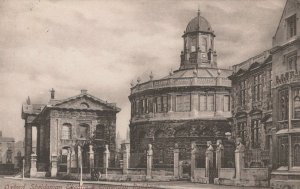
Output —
<point x="164" y="134"/>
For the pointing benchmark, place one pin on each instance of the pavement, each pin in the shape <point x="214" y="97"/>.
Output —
<point x="39" y="183"/>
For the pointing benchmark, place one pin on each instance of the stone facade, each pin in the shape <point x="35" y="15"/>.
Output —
<point x="190" y="104"/>
<point x="63" y="125"/>
<point x="286" y="98"/>
<point x="266" y="101"/>
<point x="252" y="102"/>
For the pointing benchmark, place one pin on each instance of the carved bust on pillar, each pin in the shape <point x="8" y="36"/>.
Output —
<point x="220" y="146"/>
<point x="239" y="146"/>
<point x="150" y="151"/>
<point x="209" y="146"/>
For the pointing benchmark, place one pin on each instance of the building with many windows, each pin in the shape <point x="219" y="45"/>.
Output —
<point x="68" y="131"/>
<point x="266" y="100"/>
<point x="252" y="102"/>
<point x="7" y="153"/>
<point x="190" y="104"/>
<point x="286" y="95"/>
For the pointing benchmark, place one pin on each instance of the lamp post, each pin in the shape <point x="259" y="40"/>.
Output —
<point x="80" y="144"/>
<point x="23" y="171"/>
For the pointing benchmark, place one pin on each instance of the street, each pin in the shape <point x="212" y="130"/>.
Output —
<point x="14" y="183"/>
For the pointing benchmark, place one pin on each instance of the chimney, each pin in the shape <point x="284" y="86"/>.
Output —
<point x="52" y="93"/>
<point x="83" y="91"/>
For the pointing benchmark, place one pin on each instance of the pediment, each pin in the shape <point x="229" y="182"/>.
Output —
<point x="86" y="102"/>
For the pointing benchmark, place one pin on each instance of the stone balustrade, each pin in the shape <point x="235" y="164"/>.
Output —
<point x="182" y="82"/>
<point x="287" y="78"/>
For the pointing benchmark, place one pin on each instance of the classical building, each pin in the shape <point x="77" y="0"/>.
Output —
<point x="68" y="131"/>
<point x="286" y="95"/>
<point x="190" y="104"/>
<point x="7" y="153"/>
<point x="6" y="149"/>
<point x="252" y="103"/>
<point x="266" y="100"/>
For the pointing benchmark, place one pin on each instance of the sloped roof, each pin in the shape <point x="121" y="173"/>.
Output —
<point x="32" y="108"/>
<point x="110" y="105"/>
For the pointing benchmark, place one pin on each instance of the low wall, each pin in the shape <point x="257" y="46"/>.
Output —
<point x="199" y="176"/>
<point x="227" y="173"/>
<point x="117" y="171"/>
<point x="254" y="177"/>
<point x="162" y="172"/>
<point x="137" y="171"/>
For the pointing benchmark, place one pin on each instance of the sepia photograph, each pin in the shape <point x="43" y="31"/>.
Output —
<point x="171" y="94"/>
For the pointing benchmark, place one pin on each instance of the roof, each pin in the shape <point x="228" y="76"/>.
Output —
<point x="198" y="24"/>
<point x="111" y="105"/>
<point x="201" y="72"/>
<point x="32" y="108"/>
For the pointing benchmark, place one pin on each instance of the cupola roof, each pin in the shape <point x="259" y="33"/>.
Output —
<point x="198" y="24"/>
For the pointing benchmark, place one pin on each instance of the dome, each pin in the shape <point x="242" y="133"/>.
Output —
<point x="198" y="23"/>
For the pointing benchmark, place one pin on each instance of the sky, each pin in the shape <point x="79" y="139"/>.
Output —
<point x="103" y="45"/>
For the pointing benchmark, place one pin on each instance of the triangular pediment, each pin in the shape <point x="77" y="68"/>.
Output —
<point x="291" y="8"/>
<point x="86" y="101"/>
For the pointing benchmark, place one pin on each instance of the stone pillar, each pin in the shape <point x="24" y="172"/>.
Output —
<point x="126" y="156"/>
<point x="33" y="169"/>
<point x="209" y="155"/>
<point x="194" y="103"/>
<point x="38" y="143"/>
<point x="28" y="146"/>
<point x="53" y="165"/>
<point x="106" y="157"/>
<point x="239" y="159"/>
<point x="149" y="162"/>
<point x="176" y="161"/>
<point x="193" y="159"/>
<point x="219" y="156"/>
<point x="91" y="154"/>
<point x="69" y="160"/>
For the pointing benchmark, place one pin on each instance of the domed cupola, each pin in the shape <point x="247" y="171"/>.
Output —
<point x="198" y="48"/>
<point x="198" y="24"/>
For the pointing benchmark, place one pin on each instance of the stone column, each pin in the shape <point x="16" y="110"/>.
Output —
<point x="239" y="159"/>
<point x="149" y="162"/>
<point x="219" y="156"/>
<point x="91" y="154"/>
<point x="69" y="160"/>
<point x="176" y="161"/>
<point x="194" y="103"/>
<point x="38" y="143"/>
<point x="126" y="157"/>
<point x="28" y="145"/>
<point x="208" y="158"/>
<point x="53" y="165"/>
<point x="33" y="169"/>
<point x="106" y="157"/>
<point x="193" y="159"/>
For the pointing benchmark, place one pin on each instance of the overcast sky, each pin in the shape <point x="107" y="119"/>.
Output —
<point x="102" y="45"/>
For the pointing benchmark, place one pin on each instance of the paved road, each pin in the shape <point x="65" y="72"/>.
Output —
<point x="9" y="183"/>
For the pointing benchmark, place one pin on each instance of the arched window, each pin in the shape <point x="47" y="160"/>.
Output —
<point x="181" y="133"/>
<point x="9" y="156"/>
<point x="100" y="129"/>
<point x="19" y="154"/>
<point x="297" y="155"/>
<point x="159" y="134"/>
<point x="66" y="131"/>
<point x="297" y="107"/>
<point x="83" y="131"/>
<point x="84" y="105"/>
